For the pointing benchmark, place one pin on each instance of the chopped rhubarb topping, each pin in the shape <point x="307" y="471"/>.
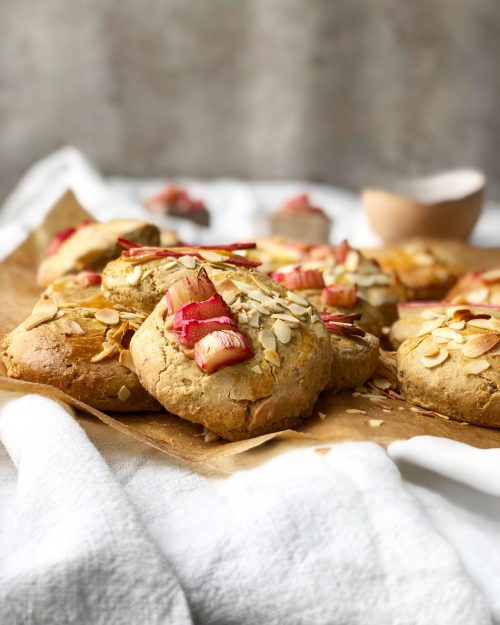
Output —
<point x="212" y="307"/>
<point x="341" y="252"/>
<point x="194" y="330"/>
<point x="126" y="244"/>
<point x="339" y="323"/>
<point x="298" y="279"/>
<point x="193" y="288"/>
<point x="178" y="198"/>
<point x="343" y="295"/>
<point x="59" y="239"/>
<point x="88" y="277"/>
<point x="220" y="349"/>
<point x="149" y="253"/>
<point x="301" y="205"/>
<point x="342" y="317"/>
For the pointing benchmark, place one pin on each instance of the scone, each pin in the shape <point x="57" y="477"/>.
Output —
<point x="233" y="352"/>
<point x="453" y="367"/>
<point x="139" y="278"/>
<point x="82" y="351"/>
<point x="477" y="288"/>
<point x="275" y="252"/>
<point x="91" y="246"/>
<point x="79" y="289"/>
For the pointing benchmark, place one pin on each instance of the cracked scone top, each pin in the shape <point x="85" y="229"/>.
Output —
<point x="452" y="366"/>
<point x="273" y="389"/>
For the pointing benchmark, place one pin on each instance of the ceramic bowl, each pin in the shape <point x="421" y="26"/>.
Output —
<point x="446" y="205"/>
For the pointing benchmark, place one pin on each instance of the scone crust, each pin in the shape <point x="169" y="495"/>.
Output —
<point x="235" y="402"/>
<point x="45" y="355"/>
<point x="448" y="388"/>
<point x="93" y="245"/>
<point x="355" y="359"/>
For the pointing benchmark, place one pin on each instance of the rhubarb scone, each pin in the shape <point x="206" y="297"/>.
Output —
<point x="140" y="277"/>
<point x="80" y="289"/>
<point x="82" y="351"/>
<point x="234" y="352"/>
<point x="91" y="246"/>
<point x="453" y="367"/>
<point x="342" y="278"/>
<point x="477" y="288"/>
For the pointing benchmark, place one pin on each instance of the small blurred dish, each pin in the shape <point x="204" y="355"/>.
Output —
<point x="446" y="205"/>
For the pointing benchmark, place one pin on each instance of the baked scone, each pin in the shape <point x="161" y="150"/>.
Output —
<point x="425" y="271"/>
<point x="355" y="359"/>
<point x="477" y="288"/>
<point x="275" y="252"/>
<point x="79" y="289"/>
<point x="453" y="367"/>
<point x="257" y="367"/>
<point x="140" y="277"/>
<point x="91" y="246"/>
<point x="82" y="351"/>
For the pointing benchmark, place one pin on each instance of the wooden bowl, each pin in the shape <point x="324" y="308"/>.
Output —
<point x="446" y="205"/>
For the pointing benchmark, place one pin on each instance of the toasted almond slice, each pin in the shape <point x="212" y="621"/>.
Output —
<point x="381" y="383"/>
<point x="375" y="423"/>
<point x="252" y="304"/>
<point x="477" y="366"/>
<point x="260" y="285"/>
<point x="430" y="349"/>
<point x="441" y="340"/>
<point x="322" y="416"/>
<point x="267" y="339"/>
<point x="108" y="316"/>
<point x="75" y="328"/>
<point x="229" y="297"/>
<point x="243" y="317"/>
<point x="212" y="257"/>
<point x="484" y="324"/>
<point x="315" y="319"/>
<point x="253" y="318"/>
<point x="457" y="325"/>
<point x="272" y="356"/>
<point x="295" y="298"/>
<point x="209" y="436"/>
<point x="430" y="325"/>
<point x="491" y="276"/>
<point x="355" y="411"/>
<point x="256" y="369"/>
<point x="447" y="333"/>
<point x="125" y="359"/>
<point x="260" y="297"/>
<point x="292" y="321"/>
<point x="282" y="331"/>
<point x="433" y="361"/>
<point x="242" y="286"/>
<point x="480" y="344"/>
<point x="351" y="262"/>
<point x="124" y="393"/>
<point x="107" y="352"/>
<point x="45" y="311"/>
<point x="235" y="306"/>
<point x="452" y="345"/>
<point x="134" y="277"/>
<point x="297" y="310"/>
<point x="189" y="262"/>
<point x="495" y="352"/>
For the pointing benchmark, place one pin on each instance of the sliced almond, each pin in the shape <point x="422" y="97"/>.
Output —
<point x="298" y="310"/>
<point x="124" y="393"/>
<point x="134" y="277"/>
<point x="242" y="286"/>
<point x="272" y="356"/>
<point x="107" y="352"/>
<point x="282" y="331"/>
<point x="263" y="287"/>
<point x="478" y="296"/>
<point x="189" y="262"/>
<point x="253" y="318"/>
<point x="256" y="369"/>
<point x="433" y="361"/>
<point x="430" y="325"/>
<point x="297" y="299"/>
<point x="355" y="411"/>
<point x="381" y="383"/>
<point x="259" y="296"/>
<point x="242" y="317"/>
<point x="212" y="257"/>
<point x="125" y="359"/>
<point x="480" y="344"/>
<point x="351" y="262"/>
<point x="229" y="297"/>
<point x="292" y="321"/>
<point x="46" y="311"/>
<point x="315" y="319"/>
<point x="447" y="333"/>
<point x="267" y="339"/>
<point x="252" y="304"/>
<point x="457" y="325"/>
<point x="477" y="366"/>
<point x="375" y="423"/>
<point x="430" y="349"/>
<point x="480" y="323"/>
<point x="441" y="340"/>
<point x="108" y="316"/>
<point x="73" y="328"/>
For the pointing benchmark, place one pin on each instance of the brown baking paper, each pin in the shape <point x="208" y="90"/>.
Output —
<point x="330" y="421"/>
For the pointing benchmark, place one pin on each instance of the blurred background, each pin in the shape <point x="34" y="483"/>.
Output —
<point x="347" y="92"/>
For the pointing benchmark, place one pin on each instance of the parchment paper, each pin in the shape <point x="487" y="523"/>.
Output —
<point x="182" y="439"/>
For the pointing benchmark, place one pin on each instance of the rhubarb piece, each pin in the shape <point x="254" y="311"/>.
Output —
<point x="341" y="252"/>
<point x="300" y="220"/>
<point x="175" y="201"/>
<point x="88" y="277"/>
<point x="342" y="317"/>
<point x="59" y="239"/>
<point x="194" y="330"/>
<point x="195" y="288"/>
<point x="210" y="308"/>
<point x="126" y="244"/>
<point x="298" y="279"/>
<point x="343" y="295"/>
<point x="220" y="349"/>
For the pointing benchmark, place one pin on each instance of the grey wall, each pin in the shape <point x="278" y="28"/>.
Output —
<point x="346" y="91"/>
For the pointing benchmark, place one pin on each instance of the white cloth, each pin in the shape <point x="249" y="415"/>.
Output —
<point x="302" y="538"/>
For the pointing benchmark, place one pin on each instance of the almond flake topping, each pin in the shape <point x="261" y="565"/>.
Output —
<point x="125" y="359"/>
<point x="293" y="321"/>
<point x="134" y="277"/>
<point x="433" y="361"/>
<point x="263" y="287"/>
<point x="212" y="257"/>
<point x="297" y="299"/>
<point x="108" y="316"/>
<point x="477" y="366"/>
<point x="260" y="297"/>
<point x="256" y="369"/>
<point x="124" y="393"/>
<point x="479" y="344"/>
<point x="242" y="317"/>
<point x="448" y="333"/>
<point x="430" y="349"/>
<point x="46" y="311"/>
<point x="478" y="296"/>
<point x="431" y="324"/>
<point x="298" y="310"/>
<point x="267" y="339"/>
<point x="355" y="411"/>
<point x="242" y="286"/>
<point x="375" y="423"/>
<point x="272" y="356"/>
<point x="381" y="383"/>
<point x="188" y="261"/>
<point x="229" y="297"/>
<point x="351" y="262"/>
<point x="258" y="306"/>
<point x="253" y="318"/>
<point x="107" y="352"/>
<point x="72" y="327"/>
<point x="282" y="331"/>
<point x="457" y="325"/>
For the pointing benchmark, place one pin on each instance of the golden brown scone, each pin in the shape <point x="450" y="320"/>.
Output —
<point x="454" y="368"/>
<point x="403" y="329"/>
<point x="355" y="359"/>
<point x="371" y="318"/>
<point x="49" y="349"/>
<point x="477" y="288"/>
<point x="276" y="388"/>
<point x="92" y="245"/>
<point x="82" y="289"/>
